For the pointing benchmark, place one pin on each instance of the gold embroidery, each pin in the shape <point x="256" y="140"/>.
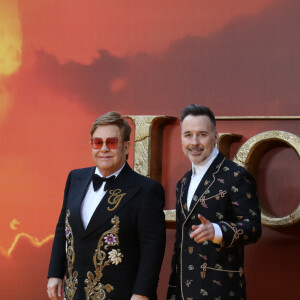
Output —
<point x="115" y="199"/>
<point x="191" y="250"/>
<point x="95" y="290"/>
<point x="237" y="232"/>
<point x="218" y="268"/>
<point x="71" y="281"/>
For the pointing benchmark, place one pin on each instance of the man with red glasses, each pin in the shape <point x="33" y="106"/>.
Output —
<point x="110" y="237"/>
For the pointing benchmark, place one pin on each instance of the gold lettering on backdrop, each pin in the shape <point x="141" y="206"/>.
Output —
<point x="148" y="155"/>
<point x="148" y="142"/>
<point x="249" y="156"/>
<point x="225" y="140"/>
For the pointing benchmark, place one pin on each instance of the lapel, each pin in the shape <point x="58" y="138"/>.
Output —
<point x="121" y="190"/>
<point x="77" y="193"/>
<point x="205" y="184"/>
<point x="183" y="191"/>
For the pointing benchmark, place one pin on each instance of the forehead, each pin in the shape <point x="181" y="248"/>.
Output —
<point x="105" y="131"/>
<point x="196" y="123"/>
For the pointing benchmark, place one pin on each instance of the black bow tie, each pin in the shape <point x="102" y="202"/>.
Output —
<point x="98" y="180"/>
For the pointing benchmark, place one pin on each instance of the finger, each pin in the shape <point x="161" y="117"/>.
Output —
<point x="197" y="231"/>
<point x="202" y="219"/>
<point x="52" y="293"/>
<point x="203" y="236"/>
<point x="59" y="289"/>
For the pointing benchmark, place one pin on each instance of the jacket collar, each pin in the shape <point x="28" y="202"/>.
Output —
<point x="204" y="185"/>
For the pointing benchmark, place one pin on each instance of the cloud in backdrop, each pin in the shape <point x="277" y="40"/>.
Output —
<point x="253" y="57"/>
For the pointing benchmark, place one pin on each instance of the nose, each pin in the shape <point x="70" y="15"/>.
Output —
<point x="195" y="139"/>
<point x="104" y="147"/>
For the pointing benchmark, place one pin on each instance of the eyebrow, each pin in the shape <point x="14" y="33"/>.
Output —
<point x="200" y="131"/>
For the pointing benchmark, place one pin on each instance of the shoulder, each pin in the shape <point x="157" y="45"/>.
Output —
<point x="236" y="174"/>
<point x="82" y="171"/>
<point x="229" y="165"/>
<point x="143" y="180"/>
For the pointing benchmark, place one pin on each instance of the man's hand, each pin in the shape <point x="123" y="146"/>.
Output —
<point x="138" y="297"/>
<point x="54" y="288"/>
<point x="203" y="232"/>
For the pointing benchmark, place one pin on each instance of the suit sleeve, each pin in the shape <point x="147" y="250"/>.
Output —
<point x="57" y="264"/>
<point x="152" y="239"/>
<point x="172" y="288"/>
<point x="244" y="226"/>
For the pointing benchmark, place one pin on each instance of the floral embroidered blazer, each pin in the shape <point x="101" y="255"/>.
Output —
<point x="226" y="196"/>
<point x="121" y="250"/>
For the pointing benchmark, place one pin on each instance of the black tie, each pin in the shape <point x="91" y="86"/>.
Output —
<point x="98" y="180"/>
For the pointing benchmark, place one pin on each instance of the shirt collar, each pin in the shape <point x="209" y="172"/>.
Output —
<point x="97" y="171"/>
<point x="206" y="163"/>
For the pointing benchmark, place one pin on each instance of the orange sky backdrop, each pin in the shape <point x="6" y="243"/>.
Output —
<point x="63" y="63"/>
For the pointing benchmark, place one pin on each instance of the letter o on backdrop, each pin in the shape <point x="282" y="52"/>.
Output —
<point x="249" y="156"/>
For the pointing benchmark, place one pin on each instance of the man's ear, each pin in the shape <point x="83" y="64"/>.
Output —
<point x="127" y="145"/>
<point x="216" y="137"/>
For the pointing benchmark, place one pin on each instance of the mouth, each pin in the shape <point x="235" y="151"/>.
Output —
<point x="195" y="151"/>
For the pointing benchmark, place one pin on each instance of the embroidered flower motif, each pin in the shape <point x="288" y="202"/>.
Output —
<point x="115" y="256"/>
<point x="191" y="267"/>
<point x="188" y="282"/>
<point x="249" y="196"/>
<point x="203" y="256"/>
<point x="235" y="174"/>
<point x="219" y="216"/>
<point x="246" y="179"/>
<point x="253" y="213"/>
<point x="230" y="257"/>
<point x="203" y="292"/>
<point x="217" y="282"/>
<point x="221" y="180"/>
<point x="225" y="168"/>
<point x="234" y="189"/>
<point x="204" y="204"/>
<point x="206" y="182"/>
<point x="67" y="231"/>
<point x="235" y="203"/>
<point x="110" y="239"/>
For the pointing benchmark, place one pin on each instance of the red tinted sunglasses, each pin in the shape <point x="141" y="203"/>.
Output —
<point x="111" y="142"/>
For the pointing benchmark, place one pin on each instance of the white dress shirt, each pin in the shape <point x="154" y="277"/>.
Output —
<point x="198" y="172"/>
<point x="93" y="198"/>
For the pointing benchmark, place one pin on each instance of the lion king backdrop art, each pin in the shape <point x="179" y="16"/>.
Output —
<point x="64" y="63"/>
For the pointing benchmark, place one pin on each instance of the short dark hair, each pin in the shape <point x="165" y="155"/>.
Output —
<point x="113" y="118"/>
<point x="198" y="110"/>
